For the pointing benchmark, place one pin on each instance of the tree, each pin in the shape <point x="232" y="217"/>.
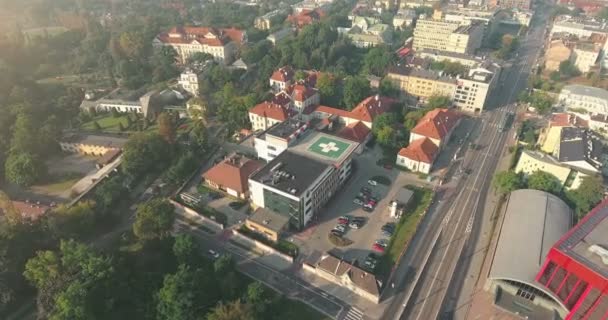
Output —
<point x="163" y="61"/>
<point x="186" y="249"/>
<point x="258" y="297"/>
<point x="8" y="209"/>
<point x="72" y="221"/>
<point x="541" y="101"/>
<point x="436" y="101"/>
<point x="25" y="138"/>
<point x="568" y="69"/>
<point x="132" y="44"/>
<point x="223" y="265"/>
<point x="385" y="136"/>
<point x="232" y="311"/>
<point x="356" y="88"/>
<point x="388" y="88"/>
<point x="154" y="219"/>
<point x="507" y="181"/>
<point x="65" y="279"/>
<point x="109" y="194"/>
<point x="328" y="89"/>
<point x="377" y="60"/>
<point x="144" y="152"/>
<point x="167" y="127"/>
<point x="199" y="57"/>
<point x="588" y="194"/>
<point x="186" y="294"/>
<point x="24" y="169"/>
<point x="544" y="181"/>
<point x="412" y="118"/>
<point x="509" y="44"/>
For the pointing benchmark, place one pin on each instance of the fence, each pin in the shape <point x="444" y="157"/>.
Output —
<point x="261" y="246"/>
<point x="195" y="213"/>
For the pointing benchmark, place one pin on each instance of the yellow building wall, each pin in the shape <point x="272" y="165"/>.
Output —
<point x="551" y="139"/>
<point x="528" y="164"/>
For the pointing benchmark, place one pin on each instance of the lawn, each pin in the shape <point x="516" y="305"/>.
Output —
<point x="107" y="122"/>
<point x="406" y="228"/>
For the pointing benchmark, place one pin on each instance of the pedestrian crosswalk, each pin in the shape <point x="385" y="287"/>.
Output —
<point x="354" y="314"/>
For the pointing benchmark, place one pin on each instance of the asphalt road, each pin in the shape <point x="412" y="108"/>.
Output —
<point x="426" y="273"/>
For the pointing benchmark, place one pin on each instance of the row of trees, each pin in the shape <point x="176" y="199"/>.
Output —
<point x="164" y="277"/>
<point x="588" y="194"/>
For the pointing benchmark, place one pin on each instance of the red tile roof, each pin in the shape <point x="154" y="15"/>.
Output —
<point x="356" y="131"/>
<point x="233" y="172"/>
<point x="300" y="92"/>
<point x="282" y="99"/>
<point x="336" y="111"/>
<point x="567" y="120"/>
<point x="306" y="17"/>
<point x="421" y="150"/>
<point x="283" y="74"/>
<point x="204" y="35"/>
<point x="371" y="107"/>
<point x="273" y="111"/>
<point x="437" y="123"/>
<point x="31" y="211"/>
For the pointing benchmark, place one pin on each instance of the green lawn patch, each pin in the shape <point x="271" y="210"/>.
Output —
<point x="107" y="122"/>
<point x="405" y="228"/>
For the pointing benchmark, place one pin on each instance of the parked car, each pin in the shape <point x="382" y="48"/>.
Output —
<point x="372" y="203"/>
<point x="355" y="225"/>
<point x="372" y="182"/>
<point x="367" y="209"/>
<point x="213" y="254"/>
<point x="366" y="190"/>
<point x="358" y="202"/>
<point x="382" y="242"/>
<point x="387" y="233"/>
<point x="342" y="220"/>
<point x="389" y="226"/>
<point x="378" y="248"/>
<point x="336" y="233"/>
<point x="340" y="228"/>
<point x="374" y="198"/>
<point x="358" y="219"/>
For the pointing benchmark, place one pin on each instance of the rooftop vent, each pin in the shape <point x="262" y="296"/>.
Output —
<point x="600" y="251"/>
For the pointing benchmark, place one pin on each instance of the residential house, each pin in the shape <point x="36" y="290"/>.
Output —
<point x="365" y="112"/>
<point x="269" y="20"/>
<point x="222" y="44"/>
<point x="585" y="55"/>
<point x="550" y="137"/>
<point x="532" y="161"/>
<point x="265" y="114"/>
<point x="305" y="17"/>
<point x="367" y="32"/>
<point x="189" y="81"/>
<point x="434" y="128"/>
<point x="281" y="78"/>
<point x="418" y="156"/>
<point x="404" y="18"/>
<point x="557" y="52"/>
<point x="148" y="103"/>
<point x="348" y="275"/>
<point x="303" y="96"/>
<point x="231" y="175"/>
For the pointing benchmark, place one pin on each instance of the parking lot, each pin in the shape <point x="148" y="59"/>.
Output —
<point x="314" y="241"/>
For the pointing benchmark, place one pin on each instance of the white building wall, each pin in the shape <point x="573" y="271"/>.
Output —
<point x="413" y="165"/>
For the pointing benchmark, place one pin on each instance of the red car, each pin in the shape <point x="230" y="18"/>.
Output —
<point x="378" y="248"/>
<point x="343" y="220"/>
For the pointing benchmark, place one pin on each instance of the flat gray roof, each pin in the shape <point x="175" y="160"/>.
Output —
<point x="534" y="220"/>
<point x="587" y="91"/>
<point x="270" y="219"/>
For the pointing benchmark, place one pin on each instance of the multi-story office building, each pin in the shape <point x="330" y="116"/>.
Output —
<point x="456" y="36"/>
<point x="270" y="143"/>
<point x="518" y="4"/>
<point x="300" y="180"/>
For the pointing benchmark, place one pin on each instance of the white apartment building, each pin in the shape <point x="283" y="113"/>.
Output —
<point x="472" y="91"/>
<point x="189" y="81"/>
<point x="584" y="99"/>
<point x="585" y="55"/>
